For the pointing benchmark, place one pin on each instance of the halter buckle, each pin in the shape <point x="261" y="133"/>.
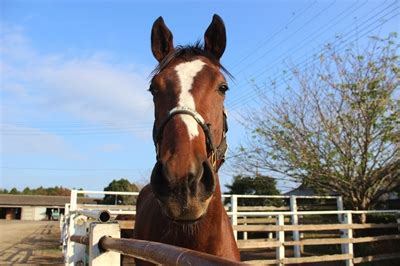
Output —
<point x="213" y="159"/>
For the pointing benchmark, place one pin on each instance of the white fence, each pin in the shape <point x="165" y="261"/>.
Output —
<point x="282" y="224"/>
<point x="281" y="242"/>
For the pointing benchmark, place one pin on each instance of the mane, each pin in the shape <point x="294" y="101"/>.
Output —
<point x="187" y="52"/>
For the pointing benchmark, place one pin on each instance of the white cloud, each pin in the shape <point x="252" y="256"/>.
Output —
<point x="24" y="140"/>
<point x="94" y="88"/>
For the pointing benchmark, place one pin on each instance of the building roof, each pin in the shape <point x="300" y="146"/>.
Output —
<point x="302" y="190"/>
<point x="39" y="200"/>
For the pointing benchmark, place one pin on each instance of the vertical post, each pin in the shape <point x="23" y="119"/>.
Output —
<point x="76" y="252"/>
<point x="270" y="234"/>
<point x="73" y="201"/>
<point x="295" y="221"/>
<point x="64" y="229"/>
<point x="234" y="209"/>
<point x="347" y="248"/>
<point x="97" y="231"/>
<point x="339" y="204"/>
<point x="245" y="232"/>
<point x="280" y="234"/>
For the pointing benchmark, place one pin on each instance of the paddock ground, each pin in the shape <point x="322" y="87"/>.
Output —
<point x="30" y="243"/>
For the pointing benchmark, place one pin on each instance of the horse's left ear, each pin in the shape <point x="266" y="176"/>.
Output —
<point x="215" y="37"/>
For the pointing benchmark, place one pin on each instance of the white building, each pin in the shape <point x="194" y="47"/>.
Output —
<point x="34" y="207"/>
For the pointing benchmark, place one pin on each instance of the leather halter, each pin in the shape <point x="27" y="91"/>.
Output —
<point x="214" y="155"/>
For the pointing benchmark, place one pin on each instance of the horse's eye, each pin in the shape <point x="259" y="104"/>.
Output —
<point x="223" y="88"/>
<point x="152" y="90"/>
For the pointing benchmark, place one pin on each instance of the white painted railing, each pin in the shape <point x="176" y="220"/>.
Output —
<point x="76" y="224"/>
<point x="346" y="239"/>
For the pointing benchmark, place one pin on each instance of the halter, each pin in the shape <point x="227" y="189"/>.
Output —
<point x="214" y="154"/>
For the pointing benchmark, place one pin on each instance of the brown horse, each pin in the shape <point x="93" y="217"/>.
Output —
<point x="182" y="204"/>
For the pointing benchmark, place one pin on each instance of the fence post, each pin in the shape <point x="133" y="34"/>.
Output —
<point x="339" y="204"/>
<point x="75" y="253"/>
<point x="295" y="221"/>
<point x="245" y="232"/>
<point x="270" y="234"/>
<point x="348" y="233"/>
<point x="73" y="201"/>
<point x="234" y="209"/>
<point x="97" y="231"/>
<point x="280" y="250"/>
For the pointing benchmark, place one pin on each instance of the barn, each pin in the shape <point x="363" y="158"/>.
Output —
<point x="35" y="207"/>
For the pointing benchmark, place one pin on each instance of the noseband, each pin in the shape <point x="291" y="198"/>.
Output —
<point x="214" y="154"/>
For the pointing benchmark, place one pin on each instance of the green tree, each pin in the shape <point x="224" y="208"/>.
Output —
<point x="14" y="191"/>
<point x="254" y="185"/>
<point x="50" y="191"/>
<point x="27" y="191"/>
<point x="3" y="191"/>
<point x="336" y="126"/>
<point x="120" y="185"/>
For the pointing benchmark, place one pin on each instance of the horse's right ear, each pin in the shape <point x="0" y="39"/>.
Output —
<point x="161" y="39"/>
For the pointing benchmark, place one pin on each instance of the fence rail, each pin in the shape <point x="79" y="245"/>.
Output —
<point x="345" y="228"/>
<point x="153" y="252"/>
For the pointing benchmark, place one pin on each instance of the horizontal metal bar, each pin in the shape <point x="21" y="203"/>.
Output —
<point x="159" y="253"/>
<point x="98" y="215"/>
<point x="84" y="240"/>
<point x="155" y="252"/>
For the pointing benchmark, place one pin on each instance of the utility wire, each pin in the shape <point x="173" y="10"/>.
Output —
<point x="314" y="17"/>
<point x="73" y="169"/>
<point x="276" y="33"/>
<point x="336" y="20"/>
<point x="240" y="100"/>
<point x="263" y="70"/>
<point x="251" y="96"/>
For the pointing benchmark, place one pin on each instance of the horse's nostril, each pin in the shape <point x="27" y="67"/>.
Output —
<point x="208" y="179"/>
<point x="159" y="182"/>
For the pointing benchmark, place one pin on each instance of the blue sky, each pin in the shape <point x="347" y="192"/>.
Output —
<point x="75" y="110"/>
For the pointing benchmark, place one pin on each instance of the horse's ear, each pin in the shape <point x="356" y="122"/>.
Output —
<point x="215" y="37"/>
<point x="161" y="39"/>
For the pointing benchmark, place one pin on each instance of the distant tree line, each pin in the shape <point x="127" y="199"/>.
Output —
<point x="49" y="191"/>
<point x="122" y="184"/>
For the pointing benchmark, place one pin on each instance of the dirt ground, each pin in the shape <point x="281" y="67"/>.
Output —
<point x="30" y="243"/>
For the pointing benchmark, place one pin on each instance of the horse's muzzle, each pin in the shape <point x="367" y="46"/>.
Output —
<point x="184" y="198"/>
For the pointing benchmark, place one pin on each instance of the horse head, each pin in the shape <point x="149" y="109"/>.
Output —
<point x="188" y="89"/>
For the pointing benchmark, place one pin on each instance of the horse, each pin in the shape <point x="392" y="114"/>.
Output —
<point x="182" y="204"/>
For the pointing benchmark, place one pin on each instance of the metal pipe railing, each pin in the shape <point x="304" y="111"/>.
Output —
<point x="155" y="252"/>
<point x="84" y="240"/>
<point x="98" y="215"/>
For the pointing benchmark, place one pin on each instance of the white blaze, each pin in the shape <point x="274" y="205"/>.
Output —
<point x="186" y="73"/>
